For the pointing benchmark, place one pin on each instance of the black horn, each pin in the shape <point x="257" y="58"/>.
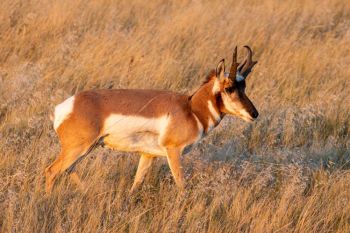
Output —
<point x="233" y="69"/>
<point x="246" y="67"/>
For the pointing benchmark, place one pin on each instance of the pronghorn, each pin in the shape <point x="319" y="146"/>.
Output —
<point x="151" y="122"/>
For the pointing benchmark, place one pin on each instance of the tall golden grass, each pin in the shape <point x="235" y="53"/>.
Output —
<point x="288" y="172"/>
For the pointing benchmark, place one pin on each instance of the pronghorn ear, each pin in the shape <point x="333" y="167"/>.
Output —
<point x="220" y="70"/>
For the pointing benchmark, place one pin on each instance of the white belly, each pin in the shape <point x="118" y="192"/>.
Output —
<point x="135" y="133"/>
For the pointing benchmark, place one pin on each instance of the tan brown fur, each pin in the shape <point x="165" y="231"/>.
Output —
<point x="85" y="124"/>
<point x="199" y="102"/>
<point x="187" y="119"/>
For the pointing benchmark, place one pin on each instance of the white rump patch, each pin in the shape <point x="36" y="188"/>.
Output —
<point x="62" y="111"/>
<point x="135" y="133"/>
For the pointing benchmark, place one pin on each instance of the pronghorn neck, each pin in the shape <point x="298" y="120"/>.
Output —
<point x="205" y="104"/>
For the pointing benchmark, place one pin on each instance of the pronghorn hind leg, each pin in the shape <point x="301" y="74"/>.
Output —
<point x="173" y="156"/>
<point x="144" y="165"/>
<point x="66" y="160"/>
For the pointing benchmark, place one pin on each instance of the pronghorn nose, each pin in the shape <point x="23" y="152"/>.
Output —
<point x="255" y="114"/>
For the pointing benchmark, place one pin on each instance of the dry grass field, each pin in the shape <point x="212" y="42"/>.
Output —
<point x="287" y="172"/>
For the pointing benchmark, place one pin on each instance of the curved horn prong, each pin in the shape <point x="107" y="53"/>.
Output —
<point x="246" y="67"/>
<point x="241" y="66"/>
<point x="233" y="69"/>
<point x="247" y="60"/>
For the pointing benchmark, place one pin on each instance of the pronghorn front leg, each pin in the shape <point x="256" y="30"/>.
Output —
<point x="173" y="155"/>
<point x="144" y="164"/>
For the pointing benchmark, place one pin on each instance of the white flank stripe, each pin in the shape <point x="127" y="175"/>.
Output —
<point x="136" y="133"/>
<point x="62" y="111"/>
<point x="121" y="125"/>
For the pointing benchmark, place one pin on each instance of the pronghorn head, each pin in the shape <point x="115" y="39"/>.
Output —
<point x="231" y="86"/>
